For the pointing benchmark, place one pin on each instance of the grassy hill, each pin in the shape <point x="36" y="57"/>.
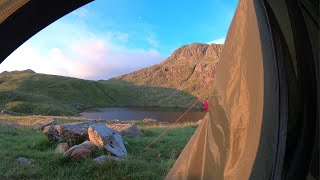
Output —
<point x="28" y="92"/>
<point x="32" y="93"/>
<point x="176" y="82"/>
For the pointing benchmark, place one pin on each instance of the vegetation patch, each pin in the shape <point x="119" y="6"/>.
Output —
<point x="23" y="140"/>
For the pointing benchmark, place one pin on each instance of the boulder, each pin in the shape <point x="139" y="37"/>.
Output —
<point x="104" y="158"/>
<point x="23" y="160"/>
<point x="85" y="145"/>
<point x="105" y="138"/>
<point x="149" y="120"/>
<point x="43" y="125"/>
<point x="61" y="148"/>
<point x="129" y="130"/>
<point x="11" y="125"/>
<point x="72" y="133"/>
<point x="81" y="153"/>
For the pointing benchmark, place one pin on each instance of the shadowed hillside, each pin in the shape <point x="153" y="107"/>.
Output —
<point x="176" y="82"/>
<point x="28" y="92"/>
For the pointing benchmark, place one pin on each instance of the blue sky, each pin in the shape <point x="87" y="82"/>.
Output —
<point x="107" y="38"/>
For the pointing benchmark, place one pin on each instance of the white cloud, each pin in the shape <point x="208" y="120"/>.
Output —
<point x="72" y="48"/>
<point x="217" y="41"/>
<point x="91" y="59"/>
<point x="152" y="40"/>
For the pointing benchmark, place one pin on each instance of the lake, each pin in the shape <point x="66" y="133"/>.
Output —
<point x="139" y="113"/>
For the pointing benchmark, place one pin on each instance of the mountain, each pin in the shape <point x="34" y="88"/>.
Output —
<point x="176" y="82"/>
<point x="191" y="68"/>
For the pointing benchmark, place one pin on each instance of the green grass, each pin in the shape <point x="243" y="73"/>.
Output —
<point x="26" y="92"/>
<point x="27" y="142"/>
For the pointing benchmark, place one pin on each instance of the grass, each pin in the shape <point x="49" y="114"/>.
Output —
<point x="25" y="141"/>
<point x="26" y="92"/>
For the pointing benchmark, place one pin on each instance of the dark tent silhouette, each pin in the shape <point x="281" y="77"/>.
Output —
<point x="263" y="121"/>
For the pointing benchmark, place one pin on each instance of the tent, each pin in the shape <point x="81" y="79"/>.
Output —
<point x="263" y="122"/>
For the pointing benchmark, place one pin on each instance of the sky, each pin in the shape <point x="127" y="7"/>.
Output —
<point x="108" y="38"/>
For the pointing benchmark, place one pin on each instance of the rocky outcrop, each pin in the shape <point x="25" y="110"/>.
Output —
<point x="149" y="120"/>
<point x="105" y="138"/>
<point x="80" y="151"/>
<point x="61" y="148"/>
<point x="103" y="158"/>
<point x="129" y="130"/>
<point x="190" y="68"/>
<point x="23" y="160"/>
<point x="42" y="125"/>
<point x="72" y="133"/>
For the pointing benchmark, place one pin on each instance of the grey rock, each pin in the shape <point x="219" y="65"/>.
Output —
<point x="80" y="153"/>
<point x="61" y="148"/>
<point x="129" y="130"/>
<point x="85" y="145"/>
<point x="23" y="160"/>
<point x="102" y="159"/>
<point x="104" y="137"/>
<point x="43" y="125"/>
<point x="72" y="133"/>
<point x="12" y="125"/>
<point x="149" y="120"/>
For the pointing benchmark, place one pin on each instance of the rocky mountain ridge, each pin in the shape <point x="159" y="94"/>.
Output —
<point x="190" y="68"/>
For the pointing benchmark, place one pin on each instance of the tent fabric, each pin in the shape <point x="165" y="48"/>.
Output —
<point x="8" y="7"/>
<point x="21" y="19"/>
<point x="236" y="116"/>
<point x="262" y="124"/>
<point x="263" y="121"/>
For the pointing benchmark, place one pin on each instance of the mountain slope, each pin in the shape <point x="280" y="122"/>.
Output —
<point x="191" y="68"/>
<point x="33" y="93"/>
<point x="28" y="92"/>
<point x="176" y="82"/>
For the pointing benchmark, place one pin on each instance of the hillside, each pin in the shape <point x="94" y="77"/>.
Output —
<point x="32" y="93"/>
<point x="191" y="68"/>
<point x="27" y="92"/>
<point x="176" y="82"/>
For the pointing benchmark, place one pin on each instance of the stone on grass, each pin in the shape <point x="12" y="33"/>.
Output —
<point x="85" y="145"/>
<point x="72" y="133"/>
<point x="81" y="153"/>
<point x="61" y="148"/>
<point x="104" y="158"/>
<point x="105" y="138"/>
<point x="129" y="130"/>
<point x="43" y="125"/>
<point x="149" y="120"/>
<point x="23" y="160"/>
<point x="11" y="125"/>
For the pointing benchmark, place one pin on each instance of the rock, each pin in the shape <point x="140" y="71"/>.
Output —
<point x="149" y="120"/>
<point x="61" y="148"/>
<point x="129" y="130"/>
<point x="104" y="137"/>
<point x="23" y="160"/>
<point x="104" y="158"/>
<point x="81" y="153"/>
<point x="85" y="145"/>
<point x="125" y="143"/>
<point x="72" y="133"/>
<point x="43" y="125"/>
<point x="11" y="125"/>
